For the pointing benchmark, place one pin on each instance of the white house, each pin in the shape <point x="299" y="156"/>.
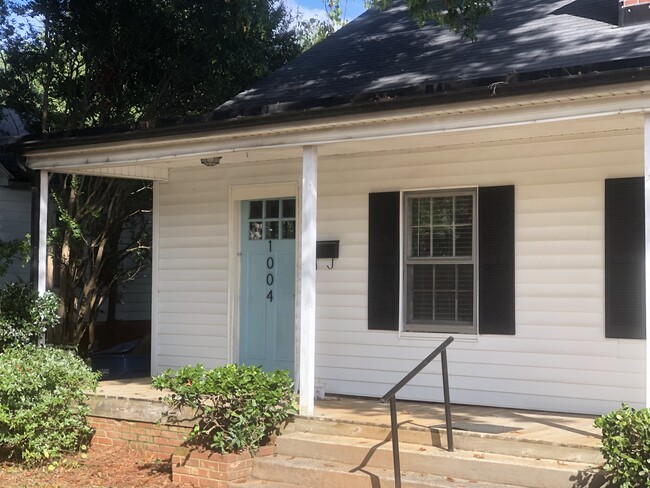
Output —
<point x="493" y="191"/>
<point x="15" y="222"/>
<point x="15" y="194"/>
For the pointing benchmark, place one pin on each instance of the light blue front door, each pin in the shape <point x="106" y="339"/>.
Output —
<point x="267" y="314"/>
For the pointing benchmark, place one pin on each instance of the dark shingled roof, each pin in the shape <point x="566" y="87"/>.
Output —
<point x="384" y="61"/>
<point x="11" y="125"/>
<point x="385" y="54"/>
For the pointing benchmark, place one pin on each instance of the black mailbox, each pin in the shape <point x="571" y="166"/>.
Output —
<point x="327" y="250"/>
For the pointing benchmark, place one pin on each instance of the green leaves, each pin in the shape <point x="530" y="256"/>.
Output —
<point x="237" y="408"/>
<point x="81" y="64"/>
<point x="24" y="315"/>
<point x="460" y="16"/>
<point x="13" y="250"/>
<point x="43" y="406"/>
<point x="626" y="446"/>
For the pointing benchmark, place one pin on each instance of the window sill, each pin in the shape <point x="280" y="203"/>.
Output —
<point x="438" y="336"/>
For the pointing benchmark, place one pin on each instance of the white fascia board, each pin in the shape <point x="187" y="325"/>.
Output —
<point x="517" y="111"/>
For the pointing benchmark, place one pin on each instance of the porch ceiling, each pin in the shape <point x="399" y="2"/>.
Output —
<point x="580" y="128"/>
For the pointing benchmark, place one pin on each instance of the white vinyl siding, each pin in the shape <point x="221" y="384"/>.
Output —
<point x="559" y="358"/>
<point x="15" y="218"/>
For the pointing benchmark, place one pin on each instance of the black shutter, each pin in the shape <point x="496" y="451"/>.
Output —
<point x="383" y="261"/>
<point x="625" y="258"/>
<point x="496" y="255"/>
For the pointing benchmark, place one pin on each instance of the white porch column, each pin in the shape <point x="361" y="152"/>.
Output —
<point x="646" y="172"/>
<point x="41" y="238"/>
<point x="42" y="232"/>
<point x="308" y="281"/>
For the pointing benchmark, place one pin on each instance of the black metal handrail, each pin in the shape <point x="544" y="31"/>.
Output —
<point x="442" y="351"/>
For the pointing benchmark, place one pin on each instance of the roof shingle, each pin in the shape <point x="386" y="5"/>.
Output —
<point x="383" y="52"/>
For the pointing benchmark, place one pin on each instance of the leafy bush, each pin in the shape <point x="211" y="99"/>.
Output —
<point x="16" y="250"/>
<point x="43" y="406"/>
<point x="237" y="407"/>
<point x="24" y="315"/>
<point x="626" y="446"/>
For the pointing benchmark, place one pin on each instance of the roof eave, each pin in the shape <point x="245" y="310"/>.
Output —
<point x="370" y="103"/>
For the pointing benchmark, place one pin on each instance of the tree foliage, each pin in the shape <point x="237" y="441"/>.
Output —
<point x="69" y="64"/>
<point x="101" y="241"/>
<point x="312" y="31"/>
<point x="66" y="64"/>
<point x="460" y="16"/>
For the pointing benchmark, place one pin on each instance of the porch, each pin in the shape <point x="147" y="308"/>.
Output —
<point x="347" y="442"/>
<point x="474" y="421"/>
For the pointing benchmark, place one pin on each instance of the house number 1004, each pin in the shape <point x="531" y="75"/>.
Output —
<point x="270" y="263"/>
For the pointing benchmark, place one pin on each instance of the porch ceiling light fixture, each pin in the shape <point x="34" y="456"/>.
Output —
<point x="211" y="161"/>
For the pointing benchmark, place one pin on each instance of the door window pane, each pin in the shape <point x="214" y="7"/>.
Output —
<point x="289" y="209"/>
<point x="272" y="209"/>
<point x="255" y="231"/>
<point x="272" y="229"/>
<point x="288" y="229"/>
<point x="255" y="209"/>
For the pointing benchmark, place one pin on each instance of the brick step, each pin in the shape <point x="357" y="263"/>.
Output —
<point x="508" y="445"/>
<point x="315" y="473"/>
<point x="489" y="467"/>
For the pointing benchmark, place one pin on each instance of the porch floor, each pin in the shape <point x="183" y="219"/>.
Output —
<point x="535" y="426"/>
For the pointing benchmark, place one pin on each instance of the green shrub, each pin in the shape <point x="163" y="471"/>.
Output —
<point x="237" y="408"/>
<point x="24" y="315"/>
<point x="626" y="446"/>
<point x="43" y="406"/>
<point x="15" y="250"/>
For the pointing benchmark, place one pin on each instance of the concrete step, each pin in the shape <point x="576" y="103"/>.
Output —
<point x="315" y="473"/>
<point x="506" y="444"/>
<point x="258" y="483"/>
<point x="489" y="467"/>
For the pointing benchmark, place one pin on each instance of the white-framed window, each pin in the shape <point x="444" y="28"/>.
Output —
<point x="440" y="261"/>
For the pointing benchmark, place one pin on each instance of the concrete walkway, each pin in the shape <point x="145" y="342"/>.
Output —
<point x="542" y="427"/>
